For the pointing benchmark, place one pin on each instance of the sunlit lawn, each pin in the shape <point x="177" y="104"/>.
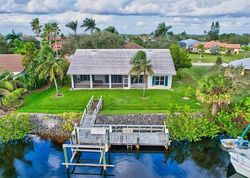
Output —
<point x="118" y="101"/>
<point x="212" y="58"/>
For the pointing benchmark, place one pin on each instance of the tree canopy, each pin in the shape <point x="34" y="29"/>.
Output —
<point x="180" y="57"/>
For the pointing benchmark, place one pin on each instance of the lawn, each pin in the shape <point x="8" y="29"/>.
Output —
<point x="212" y="58"/>
<point x="118" y="101"/>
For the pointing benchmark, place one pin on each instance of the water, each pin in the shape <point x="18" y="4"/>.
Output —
<point x="43" y="158"/>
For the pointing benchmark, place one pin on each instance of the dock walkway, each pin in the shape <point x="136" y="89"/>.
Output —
<point x="92" y="137"/>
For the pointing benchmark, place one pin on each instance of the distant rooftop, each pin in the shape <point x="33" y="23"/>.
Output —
<point x="132" y="45"/>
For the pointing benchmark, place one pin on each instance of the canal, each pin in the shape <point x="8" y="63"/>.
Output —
<point x="37" y="157"/>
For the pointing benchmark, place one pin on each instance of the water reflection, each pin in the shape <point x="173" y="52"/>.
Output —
<point x="43" y="158"/>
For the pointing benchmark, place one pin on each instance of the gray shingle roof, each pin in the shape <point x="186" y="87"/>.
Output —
<point x="245" y="63"/>
<point x="116" y="61"/>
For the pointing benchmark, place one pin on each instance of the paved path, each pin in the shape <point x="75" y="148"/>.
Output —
<point x="206" y="64"/>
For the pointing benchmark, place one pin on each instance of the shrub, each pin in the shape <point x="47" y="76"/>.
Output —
<point x="69" y="119"/>
<point x="218" y="61"/>
<point x="189" y="91"/>
<point x="9" y="99"/>
<point x="184" y="125"/>
<point x="14" y="126"/>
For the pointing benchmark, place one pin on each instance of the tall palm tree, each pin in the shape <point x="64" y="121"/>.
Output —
<point x="73" y="26"/>
<point x="52" y="68"/>
<point x="111" y="29"/>
<point x="90" y="25"/>
<point x="141" y="65"/>
<point x="162" y="30"/>
<point x="50" y="31"/>
<point x="36" y="27"/>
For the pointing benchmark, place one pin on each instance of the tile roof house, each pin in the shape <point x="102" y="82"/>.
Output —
<point x="132" y="45"/>
<point x="11" y="62"/>
<point x="235" y="48"/>
<point x="109" y="68"/>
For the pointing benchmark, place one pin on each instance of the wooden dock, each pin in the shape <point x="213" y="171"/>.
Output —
<point x="91" y="137"/>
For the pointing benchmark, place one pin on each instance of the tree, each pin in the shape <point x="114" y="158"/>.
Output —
<point x="222" y="50"/>
<point x="52" y="68"/>
<point x="201" y="49"/>
<point x="4" y="46"/>
<point x="10" y="38"/>
<point x="214" y="31"/>
<point x="136" y="39"/>
<point x="162" y="30"/>
<point x="105" y="40"/>
<point x="50" y="31"/>
<point x="73" y="26"/>
<point x="141" y="65"/>
<point x="245" y="48"/>
<point x="36" y="27"/>
<point x="214" y="90"/>
<point x="111" y="29"/>
<point x="89" y="25"/>
<point x="180" y="57"/>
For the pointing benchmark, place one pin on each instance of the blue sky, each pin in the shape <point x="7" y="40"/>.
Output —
<point x="129" y="16"/>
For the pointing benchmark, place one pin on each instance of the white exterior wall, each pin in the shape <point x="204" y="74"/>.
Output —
<point x="150" y="86"/>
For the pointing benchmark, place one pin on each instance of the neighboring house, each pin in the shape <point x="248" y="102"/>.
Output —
<point x="109" y="68"/>
<point x="11" y="63"/>
<point x="245" y="63"/>
<point x="235" y="48"/>
<point x="188" y="44"/>
<point x="132" y="45"/>
<point x="57" y="46"/>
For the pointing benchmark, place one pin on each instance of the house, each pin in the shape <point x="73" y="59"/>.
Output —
<point x="57" y="45"/>
<point x="132" y="45"/>
<point x="109" y="68"/>
<point x="235" y="48"/>
<point x="11" y="63"/>
<point x="245" y="63"/>
<point x="188" y="43"/>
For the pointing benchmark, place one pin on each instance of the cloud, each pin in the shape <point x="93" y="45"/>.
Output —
<point x="130" y="16"/>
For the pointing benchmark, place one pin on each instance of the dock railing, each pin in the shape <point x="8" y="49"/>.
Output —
<point x="97" y="109"/>
<point x="86" y="109"/>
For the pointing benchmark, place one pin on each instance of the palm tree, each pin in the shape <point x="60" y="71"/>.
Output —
<point x="201" y="49"/>
<point x="141" y="65"/>
<point x="245" y="48"/>
<point x="162" y="30"/>
<point x="90" y="25"/>
<point x="36" y="27"/>
<point x="73" y="26"/>
<point x="11" y="37"/>
<point x="111" y="29"/>
<point x="50" y="30"/>
<point x="222" y="50"/>
<point x="52" y="68"/>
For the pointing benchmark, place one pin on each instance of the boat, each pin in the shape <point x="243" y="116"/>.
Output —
<point x="231" y="143"/>
<point x="240" y="159"/>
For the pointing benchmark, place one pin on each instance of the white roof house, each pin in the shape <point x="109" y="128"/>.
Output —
<point x="109" y="68"/>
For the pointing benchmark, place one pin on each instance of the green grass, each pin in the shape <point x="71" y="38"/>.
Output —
<point x="118" y="101"/>
<point x="212" y="58"/>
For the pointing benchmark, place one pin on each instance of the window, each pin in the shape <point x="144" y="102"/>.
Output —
<point x="135" y="79"/>
<point x="116" y="78"/>
<point x="159" y="80"/>
<point x="85" y="78"/>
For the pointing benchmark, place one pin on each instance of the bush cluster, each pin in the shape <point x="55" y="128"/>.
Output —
<point x="9" y="99"/>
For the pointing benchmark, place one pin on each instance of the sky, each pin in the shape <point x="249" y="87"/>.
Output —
<point x="128" y="16"/>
